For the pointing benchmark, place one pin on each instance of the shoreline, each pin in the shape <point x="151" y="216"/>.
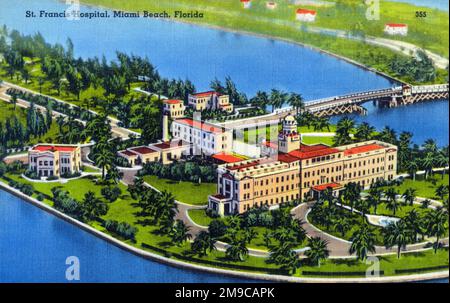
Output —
<point x="270" y="37"/>
<point x="218" y="271"/>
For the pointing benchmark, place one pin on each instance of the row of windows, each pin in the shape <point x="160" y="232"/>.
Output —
<point x="324" y="158"/>
<point x="322" y="180"/>
<point x="364" y="162"/>
<point x="323" y="170"/>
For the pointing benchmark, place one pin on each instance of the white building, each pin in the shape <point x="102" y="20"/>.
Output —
<point x="205" y="138"/>
<point x="396" y="29"/>
<point x="49" y="160"/>
<point x="246" y="3"/>
<point x="306" y="15"/>
<point x="210" y="100"/>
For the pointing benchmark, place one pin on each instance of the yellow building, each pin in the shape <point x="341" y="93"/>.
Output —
<point x="174" y="108"/>
<point x="295" y="171"/>
<point x="210" y="100"/>
<point x="49" y="160"/>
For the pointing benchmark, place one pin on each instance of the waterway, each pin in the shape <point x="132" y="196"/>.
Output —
<point x="34" y="245"/>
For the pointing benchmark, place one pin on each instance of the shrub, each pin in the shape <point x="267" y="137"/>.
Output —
<point x="40" y="197"/>
<point x="51" y="178"/>
<point x="217" y="228"/>
<point x="122" y="229"/>
<point x="31" y="174"/>
<point x="69" y="175"/>
<point x="27" y="189"/>
<point x="111" y="193"/>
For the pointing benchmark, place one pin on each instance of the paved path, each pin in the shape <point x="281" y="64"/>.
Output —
<point x="340" y="247"/>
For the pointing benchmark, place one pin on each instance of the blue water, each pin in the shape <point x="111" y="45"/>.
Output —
<point x="34" y="246"/>
<point x="439" y="4"/>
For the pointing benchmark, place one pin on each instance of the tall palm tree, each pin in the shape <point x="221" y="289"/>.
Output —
<point x="277" y="99"/>
<point x="296" y="101"/>
<point x="237" y="251"/>
<point x="363" y="242"/>
<point x="93" y="207"/>
<point x="318" y="250"/>
<point x="374" y="198"/>
<point x="180" y="232"/>
<point x="428" y="162"/>
<point x="261" y="99"/>
<point x="412" y="167"/>
<point x="14" y="100"/>
<point x="203" y="243"/>
<point x="397" y="234"/>
<point x="441" y="191"/>
<point x="409" y="195"/>
<point x="435" y="225"/>
<point x="442" y="162"/>
<point x="284" y="256"/>
<point x="414" y="223"/>
<point x="364" y="132"/>
<point x="341" y="225"/>
<point x="392" y="203"/>
<point x="343" y="129"/>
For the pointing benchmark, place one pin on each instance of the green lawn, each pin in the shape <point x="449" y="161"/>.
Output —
<point x="199" y="216"/>
<point x="317" y="140"/>
<point x="186" y="192"/>
<point x="424" y="188"/>
<point x="7" y="111"/>
<point x="148" y="238"/>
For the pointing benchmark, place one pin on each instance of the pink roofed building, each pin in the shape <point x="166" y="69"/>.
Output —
<point x="246" y="3"/>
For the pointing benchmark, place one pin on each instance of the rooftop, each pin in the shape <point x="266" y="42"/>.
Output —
<point x="328" y="185"/>
<point x="200" y="125"/>
<point x="227" y="158"/>
<point x="60" y="148"/>
<point x="169" y="144"/>
<point x="362" y="149"/>
<point x="206" y="94"/>
<point x="172" y="101"/>
<point x="396" y="25"/>
<point x="311" y="151"/>
<point x="127" y="153"/>
<point x="249" y="164"/>
<point x="303" y="11"/>
<point x="143" y="150"/>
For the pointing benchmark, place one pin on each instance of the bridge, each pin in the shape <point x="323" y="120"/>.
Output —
<point x="352" y="103"/>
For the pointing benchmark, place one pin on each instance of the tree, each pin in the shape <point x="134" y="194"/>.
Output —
<point x="296" y="101"/>
<point x="341" y="225"/>
<point x="317" y="251"/>
<point x="277" y="99"/>
<point x="203" y="243"/>
<point x="374" y="198"/>
<point x="180" y="233"/>
<point x="284" y="256"/>
<point x="412" y="167"/>
<point x="237" y="251"/>
<point x="343" y="128"/>
<point x="441" y="191"/>
<point x="409" y="195"/>
<point x="93" y="207"/>
<point x="397" y="234"/>
<point x="114" y="174"/>
<point x="217" y="228"/>
<point x="392" y="203"/>
<point x="363" y="242"/>
<point x="414" y="223"/>
<point x="364" y="132"/>
<point x="14" y="100"/>
<point x="435" y="225"/>
<point x="351" y="193"/>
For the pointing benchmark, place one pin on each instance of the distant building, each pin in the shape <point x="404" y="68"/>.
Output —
<point x="210" y="100"/>
<point x="49" y="160"/>
<point x="296" y="171"/>
<point x="164" y="152"/>
<point x="396" y="29"/>
<point x="174" y="108"/>
<point x="246" y="3"/>
<point x="306" y="15"/>
<point x="205" y="138"/>
<point x="271" y="5"/>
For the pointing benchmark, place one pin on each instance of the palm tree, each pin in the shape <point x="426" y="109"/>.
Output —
<point x="93" y="207"/>
<point x="409" y="195"/>
<point x="426" y="203"/>
<point x="277" y="99"/>
<point x="180" y="232"/>
<point x="414" y="223"/>
<point x="397" y="234"/>
<point x="363" y="242"/>
<point x="351" y="193"/>
<point x="296" y="101"/>
<point x="341" y="225"/>
<point x="392" y="203"/>
<point x="441" y="161"/>
<point x="317" y="251"/>
<point x="364" y="131"/>
<point x="412" y="167"/>
<point x="343" y="128"/>
<point x="237" y="251"/>
<point x="441" y="191"/>
<point x="203" y="243"/>
<point x="428" y="162"/>
<point x="14" y="100"/>
<point x="284" y="256"/>
<point x="435" y="225"/>
<point x="374" y="198"/>
<point x="261" y="99"/>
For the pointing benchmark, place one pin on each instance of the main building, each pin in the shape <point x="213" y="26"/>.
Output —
<point x="292" y="171"/>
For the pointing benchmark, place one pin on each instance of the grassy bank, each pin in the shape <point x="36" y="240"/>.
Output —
<point x="186" y="192"/>
<point x="430" y="32"/>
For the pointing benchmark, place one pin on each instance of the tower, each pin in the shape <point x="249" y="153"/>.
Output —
<point x="289" y="138"/>
<point x="165" y="128"/>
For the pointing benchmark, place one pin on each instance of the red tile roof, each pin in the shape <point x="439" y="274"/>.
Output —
<point x="328" y="185"/>
<point x="227" y="158"/>
<point x="396" y="25"/>
<point x="311" y="151"/>
<point x="245" y="0"/>
<point x="219" y="196"/>
<point x="127" y="153"/>
<point x="362" y="149"/>
<point x="250" y="164"/>
<point x="143" y="150"/>
<point x="52" y="148"/>
<point x="174" y="101"/>
<point x="169" y="144"/>
<point x="286" y="158"/>
<point x="303" y="11"/>
<point x="200" y="125"/>
<point x="206" y="94"/>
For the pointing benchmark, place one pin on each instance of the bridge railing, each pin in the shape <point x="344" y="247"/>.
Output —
<point x="438" y="88"/>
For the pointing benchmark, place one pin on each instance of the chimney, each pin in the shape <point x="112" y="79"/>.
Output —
<point x="165" y="128"/>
